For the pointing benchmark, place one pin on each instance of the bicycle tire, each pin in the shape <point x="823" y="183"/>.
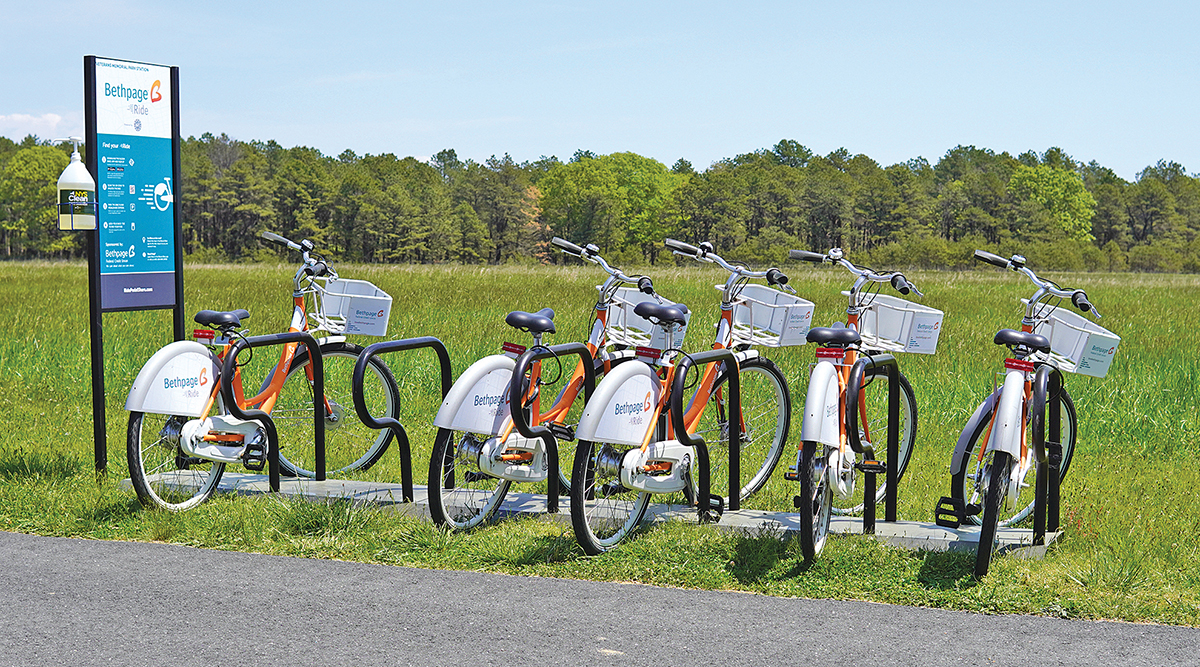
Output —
<point x="461" y="496"/>
<point x="350" y="445"/>
<point x="814" y="501"/>
<point x="875" y="431"/>
<point x="767" y="415"/>
<point x="966" y="483"/>
<point x="1000" y="469"/>
<point x="160" y="474"/>
<point x="603" y="513"/>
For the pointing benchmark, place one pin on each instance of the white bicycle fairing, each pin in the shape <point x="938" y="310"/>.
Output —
<point x="1008" y="427"/>
<point x="822" y="413"/>
<point x="621" y="409"/>
<point x="479" y="401"/>
<point x="177" y="380"/>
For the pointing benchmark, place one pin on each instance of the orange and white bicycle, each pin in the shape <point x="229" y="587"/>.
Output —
<point x="181" y="436"/>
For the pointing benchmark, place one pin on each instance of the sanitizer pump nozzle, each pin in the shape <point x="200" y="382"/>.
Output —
<point x="76" y="194"/>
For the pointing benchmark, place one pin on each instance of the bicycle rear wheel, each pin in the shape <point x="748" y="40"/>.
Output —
<point x="461" y="496"/>
<point x="161" y="474"/>
<point x="1000" y="465"/>
<point x="603" y="512"/>
<point x="815" y="499"/>
<point x="766" y="418"/>
<point x="349" y="444"/>
<point x="970" y="480"/>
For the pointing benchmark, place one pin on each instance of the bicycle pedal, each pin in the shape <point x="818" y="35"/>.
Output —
<point x="255" y="456"/>
<point x="561" y="431"/>
<point x="951" y="512"/>
<point x="791" y="475"/>
<point x="714" y="511"/>
<point x="872" y="466"/>
<point x="797" y="502"/>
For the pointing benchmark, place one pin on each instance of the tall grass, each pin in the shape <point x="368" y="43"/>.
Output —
<point x="1130" y="508"/>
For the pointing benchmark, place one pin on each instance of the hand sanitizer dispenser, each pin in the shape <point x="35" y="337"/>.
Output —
<point x="76" y="194"/>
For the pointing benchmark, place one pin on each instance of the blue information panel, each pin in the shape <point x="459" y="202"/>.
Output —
<point x="134" y="162"/>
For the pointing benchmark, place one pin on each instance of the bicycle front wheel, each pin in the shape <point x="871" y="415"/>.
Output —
<point x="349" y="444"/>
<point x="461" y="496"/>
<point x="603" y="512"/>
<point x="161" y="474"/>
<point x="1000" y="465"/>
<point x="874" y="428"/>
<point x="765" y="420"/>
<point x="969" y="482"/>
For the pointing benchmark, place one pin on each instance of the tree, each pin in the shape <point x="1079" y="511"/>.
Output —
<point x="28" y="195"/>
<point x="1060" y="193"/>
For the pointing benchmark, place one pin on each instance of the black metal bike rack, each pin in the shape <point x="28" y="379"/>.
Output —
<point x="360" y="403"/>
<point x="1047" y="386"/>
<point x="704" y="492"/>
<point x="516" y="390"/>
<point x="890" y="367"/>
<point x="314" y="353"/>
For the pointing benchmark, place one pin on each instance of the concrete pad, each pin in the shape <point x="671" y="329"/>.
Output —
<point x="913" y="535"/>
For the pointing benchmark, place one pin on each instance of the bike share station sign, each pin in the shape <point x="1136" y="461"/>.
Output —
<point x="134" y="182"/>
<point x="135" y="262"/>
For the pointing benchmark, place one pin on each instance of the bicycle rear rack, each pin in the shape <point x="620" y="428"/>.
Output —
<point x="891" y="368"/>
<point x="360" y="404"/>
<point x="735" y="428"/>
<point x="520" y="419"/>
<point x="314" y="353"/>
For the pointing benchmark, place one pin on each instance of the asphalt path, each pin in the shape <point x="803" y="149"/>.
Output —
<point x="84" y="602"/>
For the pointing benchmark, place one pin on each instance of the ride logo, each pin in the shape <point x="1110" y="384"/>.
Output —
<point x="635" y="410"/>
<point x="190" y="386"/>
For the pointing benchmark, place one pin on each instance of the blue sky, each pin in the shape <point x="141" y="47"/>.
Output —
<point x="1112" y="82"/>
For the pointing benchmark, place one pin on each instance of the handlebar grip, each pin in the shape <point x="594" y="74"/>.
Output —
<point x="566" y="246"/>
<point x="680" y="246"/>
<point x="645" y="285"/>
<point x="776" y="277"/>
<point x="275" y="238"/>
<point x="806" y="256"/>
<point x="317" y="269"/>
<point x="994" y="260"/>
<point x="1080" y="300"/>
<point x="901" y="284"/>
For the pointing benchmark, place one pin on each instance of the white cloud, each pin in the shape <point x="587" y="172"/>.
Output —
<point x="46" y="126"/>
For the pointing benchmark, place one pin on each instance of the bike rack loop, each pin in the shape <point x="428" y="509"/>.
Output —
<point x="735" y="426"/>
<point x="360" y="403"/>
<point x="314" y="353"/>
<point x="516" y="390"/>
<point x="1047" y="385"/>
<point x="890" y="367"/>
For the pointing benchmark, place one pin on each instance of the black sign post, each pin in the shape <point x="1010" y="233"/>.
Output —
<point x="135" y="255"/>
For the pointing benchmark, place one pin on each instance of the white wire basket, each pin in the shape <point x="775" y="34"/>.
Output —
<point x="627" y="328"/>
<point x="892" y="324"/>
<point x="770" y="318"/>
<point x="1077" y="344"/>
<point x="351" y="307"/>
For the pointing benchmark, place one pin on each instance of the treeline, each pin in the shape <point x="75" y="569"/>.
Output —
<point x="1060" y="213"/>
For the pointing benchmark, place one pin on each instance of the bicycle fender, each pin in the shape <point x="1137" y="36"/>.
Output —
<point x="621" y="408"/>
<point x="177" y="380"/>
<point x="479" y="402"/>
<point x="821" y="406"/>
<point x="964" y="438"/>
<point x="1006" y="433"/>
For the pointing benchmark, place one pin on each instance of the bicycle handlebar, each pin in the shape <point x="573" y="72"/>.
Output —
<point x="685" y="248"/>
<point x="836" y="256"/>
<point x="567" y="247"/>
<point x="806" y="256"/>
<point x="1045" y="287"/>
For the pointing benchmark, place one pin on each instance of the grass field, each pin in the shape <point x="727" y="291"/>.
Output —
<point x="1131" y="511"/>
